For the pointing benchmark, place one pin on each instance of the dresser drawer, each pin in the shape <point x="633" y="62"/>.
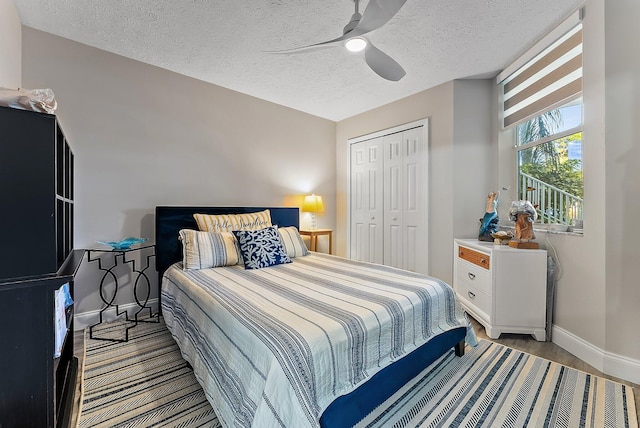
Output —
<point x="476" y="297"/>
<point x="476" y="257"/>
<point x="474" y="275"/>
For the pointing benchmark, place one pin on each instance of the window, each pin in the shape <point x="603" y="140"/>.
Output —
<point x="549" y="159"/>
<point x="541" y="101"/>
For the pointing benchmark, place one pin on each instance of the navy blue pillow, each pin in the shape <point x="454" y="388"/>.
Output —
<point x="261" y="248"/>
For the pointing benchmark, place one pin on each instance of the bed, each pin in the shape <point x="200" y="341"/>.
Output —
<point x="319" y="341"/>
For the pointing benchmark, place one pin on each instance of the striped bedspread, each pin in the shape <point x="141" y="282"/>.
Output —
<point x="274" y="347"/>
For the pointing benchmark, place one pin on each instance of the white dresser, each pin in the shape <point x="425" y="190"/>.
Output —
<point x="503" y="288"/>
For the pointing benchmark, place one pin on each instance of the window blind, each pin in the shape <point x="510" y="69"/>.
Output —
<point x="549" y="79"/>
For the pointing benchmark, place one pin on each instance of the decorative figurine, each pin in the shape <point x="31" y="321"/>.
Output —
<point x="489" y="222"/>
<point x="524" y="215"/>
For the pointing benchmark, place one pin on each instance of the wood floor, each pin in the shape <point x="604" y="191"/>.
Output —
<point x="522" y="342"/>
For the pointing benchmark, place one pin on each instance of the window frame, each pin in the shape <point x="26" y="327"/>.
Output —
<point x="517" y="148"/>
<point x="559" y="40"/>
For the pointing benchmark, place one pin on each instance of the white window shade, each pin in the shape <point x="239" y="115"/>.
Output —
<point x="549" y="79"/>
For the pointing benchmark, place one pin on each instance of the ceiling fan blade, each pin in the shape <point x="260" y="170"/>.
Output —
<point x="316" y="46"/>
<point x="377" y="13"/>
<point x="382" y="64"/>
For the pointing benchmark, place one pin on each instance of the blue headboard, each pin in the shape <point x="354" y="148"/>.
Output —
<point x="170" y="219"/>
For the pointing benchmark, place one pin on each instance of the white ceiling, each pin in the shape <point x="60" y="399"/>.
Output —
<point x="223" y="42"/>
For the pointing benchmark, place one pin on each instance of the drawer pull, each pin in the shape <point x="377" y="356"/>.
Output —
<point x="472" y="276"/>
<point x="483" y="261"/>
<point x="472" y="295"/>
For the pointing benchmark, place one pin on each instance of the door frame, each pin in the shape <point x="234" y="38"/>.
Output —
<point x="424" y="123"/>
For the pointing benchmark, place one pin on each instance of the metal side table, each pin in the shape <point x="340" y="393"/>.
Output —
<point x="120" y="258"/>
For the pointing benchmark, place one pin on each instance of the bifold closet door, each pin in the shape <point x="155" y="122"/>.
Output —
<point x="367" y="201"/>
<point x="405" y="200"/>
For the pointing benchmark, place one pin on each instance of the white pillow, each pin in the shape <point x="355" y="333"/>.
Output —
<point x="201" y="250"/>
<point x="293" y="243"/>
<point x="230" y="222"/>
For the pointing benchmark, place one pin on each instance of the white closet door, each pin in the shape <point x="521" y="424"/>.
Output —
<point x="405" y="184"/>
<point x="366" y="201"/>
<point x="393" y="200"/>
<point x="389" y="196"/>
<point x="414" y="214"/>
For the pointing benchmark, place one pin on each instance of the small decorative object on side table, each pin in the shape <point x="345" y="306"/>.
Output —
<point x="489" y="221"/>
<point x="524" y="215"/>
<point x="313" y="237"/>
<point x="122" y="249"/>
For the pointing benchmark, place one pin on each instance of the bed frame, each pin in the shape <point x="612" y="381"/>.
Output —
<point x="348" y="409"/>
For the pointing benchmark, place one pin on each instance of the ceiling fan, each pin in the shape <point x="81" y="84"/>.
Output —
<point x="376" y="14"/>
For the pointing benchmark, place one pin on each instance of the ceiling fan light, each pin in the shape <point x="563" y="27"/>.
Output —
<point x="356" y="44"/>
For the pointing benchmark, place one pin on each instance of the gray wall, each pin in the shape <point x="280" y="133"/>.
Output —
<point x="10" y="46"/>
<point x="622" y="164"/>
<point x="474" y="164"/>
<point x="580" y="294"/>
<point x="459" y="115"/>
<point x="143" y="136"/>
<point x="597" y="294"/>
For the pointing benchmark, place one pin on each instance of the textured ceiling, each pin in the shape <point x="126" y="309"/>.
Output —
<point x="224" y="42"/>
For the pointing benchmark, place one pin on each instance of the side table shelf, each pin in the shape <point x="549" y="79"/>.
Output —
<point x="141" y="298"/>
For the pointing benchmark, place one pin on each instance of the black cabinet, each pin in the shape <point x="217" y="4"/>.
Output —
<point x="36" y="186"/>
<point x="37" y="370"/>
<point x="36" y="388"/>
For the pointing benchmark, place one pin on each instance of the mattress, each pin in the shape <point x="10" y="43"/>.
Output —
<point x="275" y="346"/>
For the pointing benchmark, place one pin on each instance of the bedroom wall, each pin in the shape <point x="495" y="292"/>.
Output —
<point x="596" y="300"/>
<point x="459" y="125"/>
<point x="143" y="136"/>
<point x="622" y="192"/>
<point x="579" y="310"/>
<point x="10" y="46"/>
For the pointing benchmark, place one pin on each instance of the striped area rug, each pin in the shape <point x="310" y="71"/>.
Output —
<point x="145" y="382"/>
<point x="496" y="386"/>
<point x="141" y="383"/>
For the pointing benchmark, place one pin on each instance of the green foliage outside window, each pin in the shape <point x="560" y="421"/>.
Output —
<point x="557" y="170"/>
<point x="555" y="165"/>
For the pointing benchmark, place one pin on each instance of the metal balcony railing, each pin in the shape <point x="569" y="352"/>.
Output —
<point x="552" y="204"/>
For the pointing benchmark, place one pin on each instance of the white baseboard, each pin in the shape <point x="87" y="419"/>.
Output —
<point x="606" y="362"/>
<point x="622" y="367"/>
<point x="86" y="319"/>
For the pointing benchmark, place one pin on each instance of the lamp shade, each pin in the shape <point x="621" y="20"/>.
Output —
<point x="313" y="204"/>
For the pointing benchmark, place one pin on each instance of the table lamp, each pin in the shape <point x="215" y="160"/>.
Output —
<point x="313" y="204"/>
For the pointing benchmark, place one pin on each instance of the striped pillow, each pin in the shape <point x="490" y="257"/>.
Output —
<point x="293" y="243"/>
<point x="230" y="222"/>
<point x="201" y="250"/>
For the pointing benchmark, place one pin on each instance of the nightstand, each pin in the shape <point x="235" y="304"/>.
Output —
<point x="503" y="288"/>
<point x="313" y="236"/>
<point x="141" y="293"/>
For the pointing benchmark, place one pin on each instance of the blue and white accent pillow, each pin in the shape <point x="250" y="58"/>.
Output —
<point x="261" y="248"/>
